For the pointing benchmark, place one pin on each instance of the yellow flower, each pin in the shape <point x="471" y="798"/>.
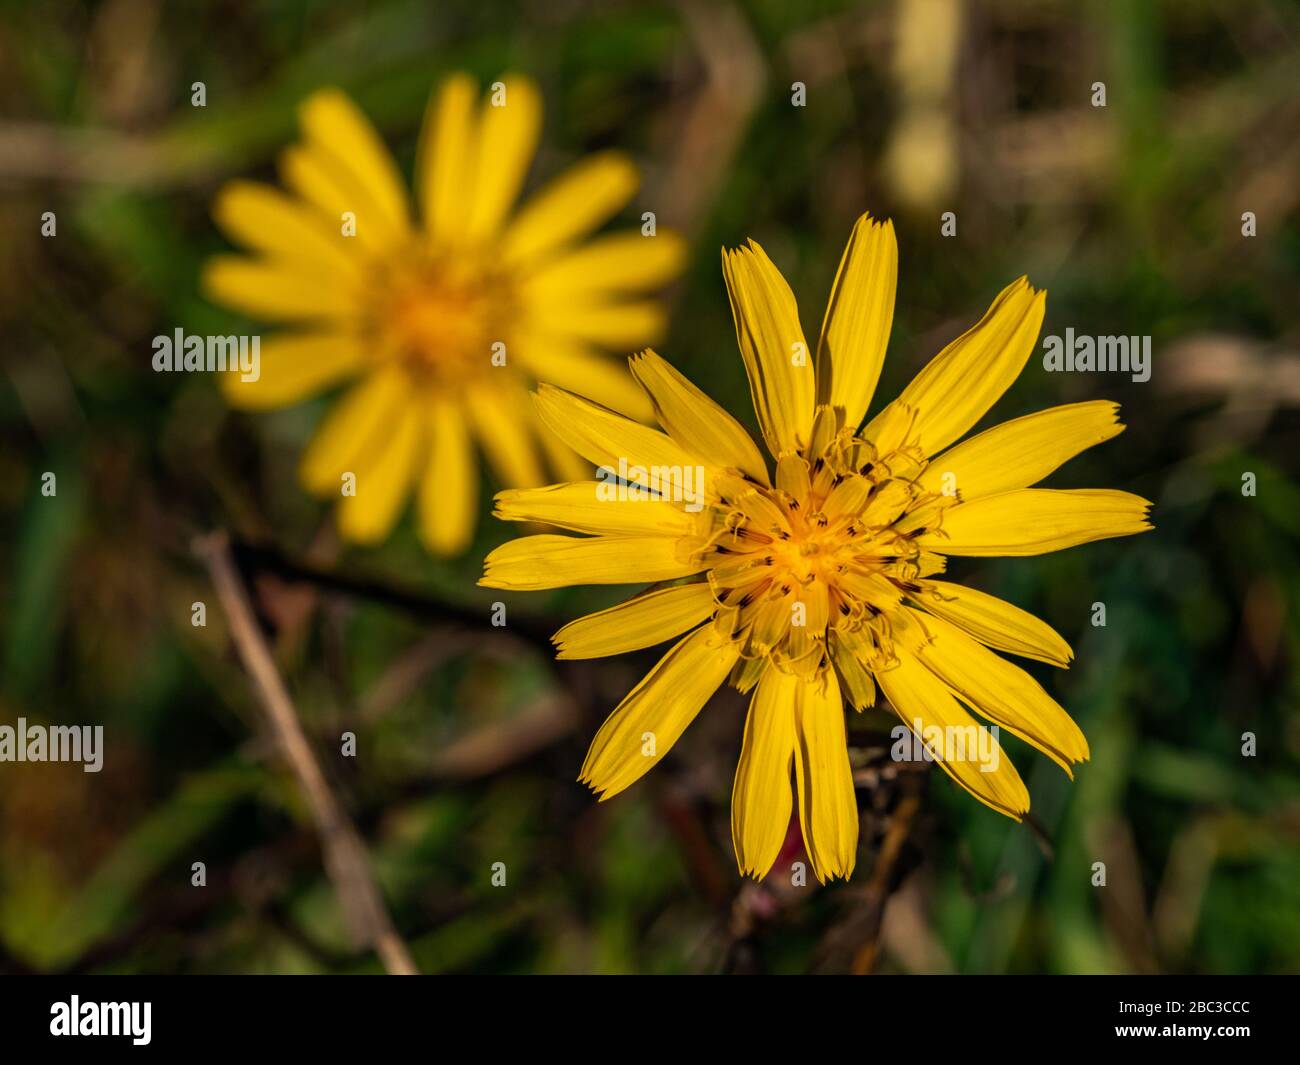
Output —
<point x="443" y="323"/>
<point x="816" y="580"/>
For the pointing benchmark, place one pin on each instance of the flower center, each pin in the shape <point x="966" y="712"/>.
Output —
<point x="832" y="546"/>
<point x="444" y="317"/>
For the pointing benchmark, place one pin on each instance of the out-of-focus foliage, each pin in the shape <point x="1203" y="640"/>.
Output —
<point x="469" y="739"/>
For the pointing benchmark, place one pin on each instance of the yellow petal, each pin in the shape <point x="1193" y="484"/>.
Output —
<point x="620" y="326"/>
<point x="762" y="511"/>
<point x="964" y="380"/>
<point x="656" y="712"/>
<point x="384" y="476"/>
<point x="264" y="219"/>
<point x="994" y="622"/>
<point x="595" y="507"/>
<point x="850" y="497"/>
<point x="545" y="561"/>
<point x="793" y="476"/>
<point x="605" y="438"/>
<point x="449" y="483"/>
<point x="924" y="703"/>
<point x="567" y="463"/>
<point x="996" y="689"/>
<point x="771" y="341"/>
<point x="1021" y="452"/>
<point x="329" y="185"/>
<point x="572" y="205"/>
<point x="870" y="587"/>
<point x="578" y="368"/>
<point x="1033" y="521"/>
<point x="503" y="431"/>
<point x="512" y="118"/>
<point x="814" y="598"/>
<point x="332" y="123"/>
<point x="761" y="799"/>
<point x="293" y="367"/>
<point x="828" y="806"/>
<point x="624" y="262"/>
<point x="359" y="422"/>
<point x="848" y="650"/>
<point x="447" y="157"/>
<point x="694" y="420"/>
<point x="855" y="332"/>
<point x="641" y="622"/>
<point x="277" y="291"/>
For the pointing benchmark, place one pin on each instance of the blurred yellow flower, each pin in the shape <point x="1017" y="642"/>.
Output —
<point x="443" y="322"/>
<point x="817" y="580"/>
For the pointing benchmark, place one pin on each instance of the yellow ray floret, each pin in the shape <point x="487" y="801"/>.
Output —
<point x="644" y="621"/>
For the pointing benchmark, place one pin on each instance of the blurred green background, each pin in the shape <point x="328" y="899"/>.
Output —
<point x="469" y="737"/>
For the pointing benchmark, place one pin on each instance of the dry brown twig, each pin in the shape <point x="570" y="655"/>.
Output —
<point x="878" y="886"/>
<point x="707" y="129"/>
<point x="346" y="859"/>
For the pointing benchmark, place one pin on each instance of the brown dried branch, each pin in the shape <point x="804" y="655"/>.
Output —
<point x="346" y="859"/>
<point x="878" y="887"/>
<point x="255" y="558"/>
